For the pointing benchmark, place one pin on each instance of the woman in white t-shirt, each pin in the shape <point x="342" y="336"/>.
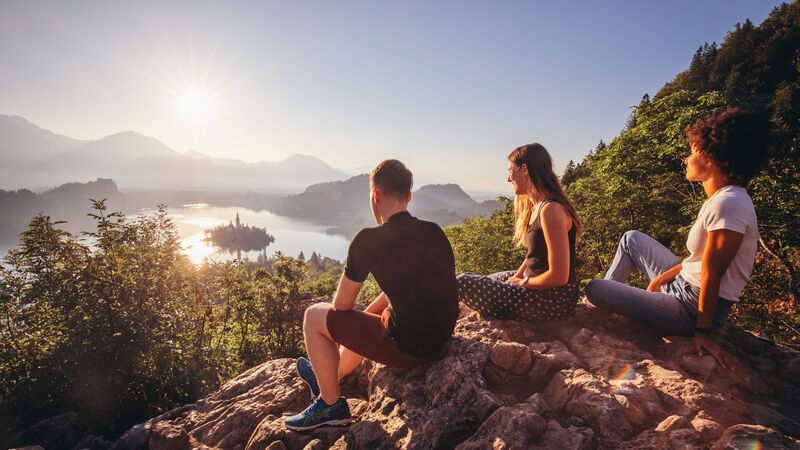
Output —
<point x="692" y="297"/>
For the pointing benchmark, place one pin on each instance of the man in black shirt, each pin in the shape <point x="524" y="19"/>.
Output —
<point x="405" y="326"/>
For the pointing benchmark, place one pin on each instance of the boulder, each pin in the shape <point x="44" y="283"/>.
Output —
<point x="754" y="436"/>
<point x="595" y="380"/>
<point x="57" y="432"/>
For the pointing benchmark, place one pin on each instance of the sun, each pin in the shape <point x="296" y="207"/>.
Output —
<point x="193" y="106"/>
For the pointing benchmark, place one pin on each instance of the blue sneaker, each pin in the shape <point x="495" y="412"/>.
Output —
<point x="320" y="414"/>
<point x="306" y="373"/>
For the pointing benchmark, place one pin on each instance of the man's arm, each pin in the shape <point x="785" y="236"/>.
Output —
<point x="377" y="306"/>
<point x="346" y="293"/>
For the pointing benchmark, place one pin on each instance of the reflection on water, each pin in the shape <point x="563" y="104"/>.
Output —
<point x="202" y="222"/>
<point x="291" y="235"/>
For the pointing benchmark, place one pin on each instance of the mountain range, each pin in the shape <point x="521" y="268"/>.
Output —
<point x="31" y="156"/>
<point x="146" y="172"/>
<point x="347" y="202"/>
<point x="342" y="205"/>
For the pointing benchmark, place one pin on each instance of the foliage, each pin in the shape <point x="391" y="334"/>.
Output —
<point x="636" y="182"/>
<point x="483" y="244"/>
<point x="369" y="291"/>
<point x="122" y="326"/>
<point x="324" y="274"/>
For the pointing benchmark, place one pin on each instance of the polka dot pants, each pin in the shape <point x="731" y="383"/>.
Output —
<point x="492" y="297"/>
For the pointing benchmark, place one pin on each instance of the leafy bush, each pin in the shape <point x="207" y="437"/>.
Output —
<point x="123" y="326"/>
<point x="482" y="245"/>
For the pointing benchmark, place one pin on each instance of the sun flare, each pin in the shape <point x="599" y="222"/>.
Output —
<point x="194" y="106"/>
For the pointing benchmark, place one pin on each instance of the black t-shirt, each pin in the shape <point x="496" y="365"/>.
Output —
<point x="413" y="263"/>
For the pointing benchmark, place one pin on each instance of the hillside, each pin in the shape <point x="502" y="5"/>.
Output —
<point x="637" y="181"/>
<point x="67" y="202"/>
<point x="347" y="202"/>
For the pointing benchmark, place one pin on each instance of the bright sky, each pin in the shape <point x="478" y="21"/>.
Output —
<point x="450" y="87"/>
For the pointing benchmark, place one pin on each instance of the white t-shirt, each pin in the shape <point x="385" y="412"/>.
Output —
<point x="730" y="208"/>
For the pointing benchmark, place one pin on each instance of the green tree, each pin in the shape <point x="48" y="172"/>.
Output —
<point x="483" y="245"/>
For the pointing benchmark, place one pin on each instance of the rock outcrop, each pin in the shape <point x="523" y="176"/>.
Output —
<point x="595" y="380"/>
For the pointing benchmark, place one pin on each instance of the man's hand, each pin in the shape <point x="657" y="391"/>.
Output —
<point x="703" y="342"/>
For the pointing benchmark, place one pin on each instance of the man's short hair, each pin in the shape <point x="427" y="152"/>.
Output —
<point x="392" y="178"/>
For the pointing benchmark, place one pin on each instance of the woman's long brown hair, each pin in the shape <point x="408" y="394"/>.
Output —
<point x="543" y="181"/>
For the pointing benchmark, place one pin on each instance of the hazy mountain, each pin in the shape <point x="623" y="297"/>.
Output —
<point x="178" y="171"/>
<point x="23" y="142"/>
<point x="332" y="202"/>
<point x="69" y="202"/>
<point x="420" y="178"/>
<point x="441" y="196"/>
<point x="347" y="202"/>
<point x="104" y="157"/>
<point x="33" y="157"/>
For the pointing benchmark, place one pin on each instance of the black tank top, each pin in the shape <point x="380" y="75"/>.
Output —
<point x="536" y="259"/>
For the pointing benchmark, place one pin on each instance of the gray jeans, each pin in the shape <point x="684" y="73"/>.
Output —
<point x="673" y="310"/>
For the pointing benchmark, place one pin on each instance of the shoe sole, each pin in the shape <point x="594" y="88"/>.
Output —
<point x="330" y="423"/>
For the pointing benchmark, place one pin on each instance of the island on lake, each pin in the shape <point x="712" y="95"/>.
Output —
<point x="237" y="238"/>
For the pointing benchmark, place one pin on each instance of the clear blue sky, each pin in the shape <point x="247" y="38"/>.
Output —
<point x="450" y="87"/>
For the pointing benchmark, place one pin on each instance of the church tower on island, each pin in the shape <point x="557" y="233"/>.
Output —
<point x="238" y="224"/>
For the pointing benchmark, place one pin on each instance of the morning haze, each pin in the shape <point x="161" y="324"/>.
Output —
<point x="450" y="89"/>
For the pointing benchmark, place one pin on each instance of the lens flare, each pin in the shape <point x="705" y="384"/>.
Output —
<point x="626" y="373"/>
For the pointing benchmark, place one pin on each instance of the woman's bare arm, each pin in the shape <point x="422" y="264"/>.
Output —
<point x="555" y="225"/>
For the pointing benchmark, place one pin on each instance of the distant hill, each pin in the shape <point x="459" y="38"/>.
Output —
<point x="69" y="202"/>
<point x="333" y="202"/>
<point x="23" y="142"/>
<point x="441" y="196"/>
<point x="347" y="202"/>
<point x="31" y="156"/>
<point x="104" y="157"/>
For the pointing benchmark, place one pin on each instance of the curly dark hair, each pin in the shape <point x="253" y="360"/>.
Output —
<point x="737" y="141"/>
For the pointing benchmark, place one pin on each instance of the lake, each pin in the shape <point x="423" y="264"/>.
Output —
<point x="291" y="235"/>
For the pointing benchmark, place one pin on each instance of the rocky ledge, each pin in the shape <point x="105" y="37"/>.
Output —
<point x="595" y="380"/>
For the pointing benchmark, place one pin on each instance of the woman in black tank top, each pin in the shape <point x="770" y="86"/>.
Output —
<point x="544" y="286"/>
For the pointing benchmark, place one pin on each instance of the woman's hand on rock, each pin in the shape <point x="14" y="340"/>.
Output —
<point x="703" y="342"/>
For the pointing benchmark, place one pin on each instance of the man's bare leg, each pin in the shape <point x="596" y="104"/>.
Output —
<point x="349" y="360"/>
<point x="322" y="351"/>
